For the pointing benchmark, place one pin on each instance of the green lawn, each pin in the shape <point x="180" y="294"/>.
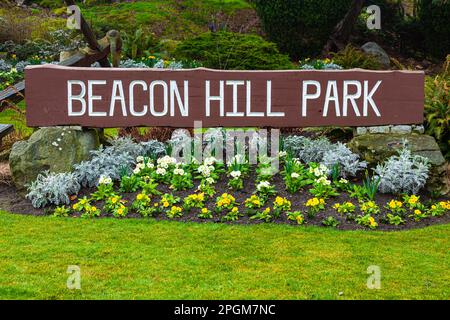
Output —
<point x="136" y="259"/>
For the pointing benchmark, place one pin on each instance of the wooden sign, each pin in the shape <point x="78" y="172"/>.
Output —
<point x="110" y="97"/>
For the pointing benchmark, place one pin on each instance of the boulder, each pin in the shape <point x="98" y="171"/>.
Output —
<point x="375" y="148"/>
<point x="56" y="149"/>
<point x="375" y="50"/>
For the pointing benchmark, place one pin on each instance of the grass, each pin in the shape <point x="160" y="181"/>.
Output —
<point x="136" y="259"/>
<point x="169" y="18"/>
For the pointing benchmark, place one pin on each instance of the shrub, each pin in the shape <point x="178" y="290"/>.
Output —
<point x="434" y="16"/>
<point x="351" y="57"/>
<point x="109" y="162"/>
<point x="347" y="161"/>
<point x="437" y="108"/>
<point x="52" y="188"/>
<point x="300" y="27"/>
<point x="403" y="173"/>
<point x="234" y="51"/>
<point x="306" y="149"/>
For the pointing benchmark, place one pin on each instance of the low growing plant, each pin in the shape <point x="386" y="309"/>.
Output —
<point x="52" y="188"/>
<point x="280" y="205"/>
<point x="394" y="219"/>
<point x="348" y="162"/>
<point x="296" y="216"/>
<point x="369" y="207"/>
<point x="174" y="212"/>
<point x="330" y="222"/>
<point x="315" y="205"/>
<point x="205" y="213"/>
<point x="61" y="211"/>
<point x="232" y="215"/>
<point x="405" y="173"/>
<point x="264" y="215"/>
<point x="225" y="202"/>
<point x="265" y="190"/>
<point x="367" y="221"/>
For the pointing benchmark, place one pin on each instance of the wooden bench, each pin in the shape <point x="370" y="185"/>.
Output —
<point x="5" y="129"/>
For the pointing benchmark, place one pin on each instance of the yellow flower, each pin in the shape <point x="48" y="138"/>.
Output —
<point x="417" y="211"/>
<point x="93" y="209"/>
<point x="140" y="196"/>
<point x="165" y="204"/>
<point x="204" y="210"/>
<point x="120" y="211"/>
<point x="299" y="219"/>
<point x="75" y="207"/>
<point x="413" y="199"/>
<point x="114" y="200"/>
<point x="234" y="210"/>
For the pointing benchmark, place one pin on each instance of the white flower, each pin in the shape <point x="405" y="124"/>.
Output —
<point x="344" y="181"/>
<point x="235" y="174"/>
<point x="54" y="143"/>
<point x="140" y="159"/>
<point x="104" y="180"/>
<point x="136" y="170"/>
<point x="263" y="185"/>
<point x="210" y="161"/>
<point x="59" y="139"/>
<point x="317" y="172"/>
<point x="282" y="154"/>
<point x="150" y="165"/>
<point x="140" y="165"/>
<point x="209" y="180"/>
<point x="324" y="181"/>
<point x="294" y="175"/>
<point x="178" y="171"/>
<point x="194" y="160"/>
<point x="161" y="171"/>
<point x="205" y="170"/>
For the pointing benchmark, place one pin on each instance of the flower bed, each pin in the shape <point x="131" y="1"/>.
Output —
<point x="161" y="187"/>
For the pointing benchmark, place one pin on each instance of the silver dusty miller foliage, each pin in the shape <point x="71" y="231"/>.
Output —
<point x="403" y="173"/>
<point x="52" y="188"/>
<point x="348" y="162"/>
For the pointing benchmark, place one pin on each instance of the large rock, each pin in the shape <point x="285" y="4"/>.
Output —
<point x="54" y="149"/>
<point x="375" y="50"/>
<point x="375" y="148"/>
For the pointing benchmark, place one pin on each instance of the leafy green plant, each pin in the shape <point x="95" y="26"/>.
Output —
<point x="394" y="219"/>
<point x="370" y="186"/>
<point x="105" y="189"/>
<point x="437" y="108"/>
<point x="264" y="215"/>
<point x="265" y="190"/>
<point x="142" y="204"/>
<point x="351" y="57"/>
<point x="61" y="211"/>
<point x="294" y="174"/>
<point x="367" y="221"/>
<point x="232" y="215"/>
<point x="205" y="213"/>
<point x="296" y="216"/>
<point x="315" y="205"/>
<point x="330" y="222"/>
<point x="136" y="44"/>
<point x="181" y="179"/>
<point x="234" y="51"/>
<point x="130" y="183"/>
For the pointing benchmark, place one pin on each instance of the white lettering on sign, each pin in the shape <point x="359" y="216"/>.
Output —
<point x="171" y="98"/>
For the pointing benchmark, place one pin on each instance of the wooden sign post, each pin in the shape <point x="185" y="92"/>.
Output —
<point x="96" y="97"/>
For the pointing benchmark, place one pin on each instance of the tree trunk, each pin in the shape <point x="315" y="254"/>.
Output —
<point x="341" y="33"/>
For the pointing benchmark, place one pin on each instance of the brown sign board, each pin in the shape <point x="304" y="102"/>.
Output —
<point x="114" y="97"/>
